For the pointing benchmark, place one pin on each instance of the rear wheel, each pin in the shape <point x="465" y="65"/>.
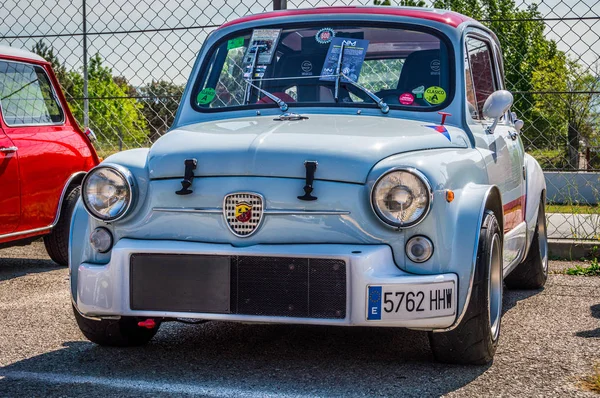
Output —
<point x="533" y="272"/>
<point x="123" y="332"/>
<point x="474" y="340"/>
<point x="57" y="241"/>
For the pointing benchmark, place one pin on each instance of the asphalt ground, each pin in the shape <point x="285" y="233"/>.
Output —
<point x="550" y="339"/>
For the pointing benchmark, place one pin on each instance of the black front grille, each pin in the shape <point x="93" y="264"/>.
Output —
<point x="267" y="286"/>
<point x="292" y="287"/>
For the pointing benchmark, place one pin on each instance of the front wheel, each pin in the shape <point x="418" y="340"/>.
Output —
<point x="474" y="340"/>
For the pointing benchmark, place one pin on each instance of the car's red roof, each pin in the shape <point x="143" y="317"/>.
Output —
<point x="448" y="17"/>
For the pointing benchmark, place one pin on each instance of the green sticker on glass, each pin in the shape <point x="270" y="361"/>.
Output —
<point x="435" y="95"/>
<point x="235" y="43"/>
<point x="206" y="96"/>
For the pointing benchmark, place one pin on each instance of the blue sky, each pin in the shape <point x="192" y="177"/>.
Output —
<point x="169" y="55"/>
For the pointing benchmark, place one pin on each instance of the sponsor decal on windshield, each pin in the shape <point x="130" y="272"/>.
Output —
<point x="435" y="95"/>
<point x="206" y="96"/>
<point x="266" y="41"/>
<point x="406" y="99"/>
<point x="352" y="59"/>
<point x="324" y="35"/>
<point x="235" y="43"/>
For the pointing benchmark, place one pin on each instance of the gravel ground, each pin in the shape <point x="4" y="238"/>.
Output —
<point x="550" y="338"/>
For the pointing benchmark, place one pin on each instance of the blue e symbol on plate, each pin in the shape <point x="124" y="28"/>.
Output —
<point x="374" y="304"/>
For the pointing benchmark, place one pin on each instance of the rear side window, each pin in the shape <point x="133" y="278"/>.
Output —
<point x="26" y="95"/>
<point x="481" y="77"/>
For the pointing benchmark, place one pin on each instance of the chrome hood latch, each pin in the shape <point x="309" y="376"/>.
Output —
<point x="188" y="177"/>
<point x="311" y="167"/>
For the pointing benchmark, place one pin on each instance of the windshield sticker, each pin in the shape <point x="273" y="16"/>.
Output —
<point x="266" y="40"/>
<point x="325" y="35"/>
<point x="419" y="91"/>
<point x="235" y="43"/>
<point x="306" y="67"/>
<point x="435" y="67"/>
<point x="206" y="96"/>
<point x="442" y="130"/>
<point x="352" y="58"/>
<point x="435" y="95"/>
<point x="406" y="99"/>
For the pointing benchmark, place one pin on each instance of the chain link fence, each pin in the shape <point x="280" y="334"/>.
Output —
<point x="123" y="65"/>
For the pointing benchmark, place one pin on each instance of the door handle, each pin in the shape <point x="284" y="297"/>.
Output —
<point x="8" y="149"/>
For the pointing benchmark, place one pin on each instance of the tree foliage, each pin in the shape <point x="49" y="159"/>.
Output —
<point x="539" y="75"/>
<point x="117" y="120"/>
<point x="161" y="99"/>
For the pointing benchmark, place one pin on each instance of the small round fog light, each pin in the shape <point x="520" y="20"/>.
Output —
<point x="419" y="249"/>
<point x="101" y="240"/>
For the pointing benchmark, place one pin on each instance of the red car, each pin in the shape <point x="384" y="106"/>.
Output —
<point x="43" y="155"/>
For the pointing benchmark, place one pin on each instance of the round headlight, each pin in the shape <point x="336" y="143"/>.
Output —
<point x="402" y="198"/>
<point x="107" y="192"/>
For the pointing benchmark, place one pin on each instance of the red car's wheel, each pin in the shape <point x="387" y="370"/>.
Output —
<point x="57" y="241"/>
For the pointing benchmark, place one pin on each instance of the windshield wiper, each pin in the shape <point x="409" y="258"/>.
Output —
<point x="338" y="75"/>
<point x="338" y="70"/>
<point x="282" y="105"/>
<point x="382" y="105"/>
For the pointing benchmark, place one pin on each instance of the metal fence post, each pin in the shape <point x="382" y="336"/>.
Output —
<point x="279" y="4"/>
<point x="120" y="134"/>
<point x="86" y="101"/>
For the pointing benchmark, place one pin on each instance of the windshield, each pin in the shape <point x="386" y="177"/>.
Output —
<point x="405" y="68"/>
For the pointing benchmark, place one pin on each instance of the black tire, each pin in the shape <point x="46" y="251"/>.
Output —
<point x="57" y="241"/>
<point x="532" y="273"/>
<point x="124" y="332"/>
<point x="474" y="340"/>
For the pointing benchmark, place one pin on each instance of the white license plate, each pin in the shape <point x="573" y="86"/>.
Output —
<point x="406" y="302"/>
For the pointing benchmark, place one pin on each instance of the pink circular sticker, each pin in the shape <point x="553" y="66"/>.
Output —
<point x="406" y="98"/>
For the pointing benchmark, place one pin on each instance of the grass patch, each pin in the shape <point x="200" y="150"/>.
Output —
<point x="592" y="270"/>
<point x="592" y="382"/>
<point x="573" y="209"/>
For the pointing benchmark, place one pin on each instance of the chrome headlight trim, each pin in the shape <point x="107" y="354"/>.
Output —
<point x="127" y="177"/>
<point x="423" y="180"/>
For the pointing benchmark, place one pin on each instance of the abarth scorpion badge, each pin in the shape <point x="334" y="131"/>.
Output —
<point x="243" y="212"/>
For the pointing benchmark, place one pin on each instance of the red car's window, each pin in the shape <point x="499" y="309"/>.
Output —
<point x="26" y="95"/>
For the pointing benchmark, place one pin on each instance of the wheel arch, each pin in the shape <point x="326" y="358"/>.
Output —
<point x="74" y="180"/>
<point x="474" y="201"/>
<point x="535" y="192"/>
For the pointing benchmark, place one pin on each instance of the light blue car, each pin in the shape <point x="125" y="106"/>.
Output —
<point x="350" y="166"/>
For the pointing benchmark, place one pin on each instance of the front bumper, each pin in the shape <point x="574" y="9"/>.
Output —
<point x="104" y="290"/>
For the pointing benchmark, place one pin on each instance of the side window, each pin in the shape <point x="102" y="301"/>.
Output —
<point x="26" y="95"/>
<point x="482" y="74"/>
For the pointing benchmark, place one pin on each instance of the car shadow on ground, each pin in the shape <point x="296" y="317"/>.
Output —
<point x="266" y="360"/>
<point x="11" y="268"/>
<point x="594" y="333"/>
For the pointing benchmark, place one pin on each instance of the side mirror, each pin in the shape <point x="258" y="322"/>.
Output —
<point x="495" y="106"/>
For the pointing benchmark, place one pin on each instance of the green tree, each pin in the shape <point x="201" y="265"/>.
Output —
<point x="47" y="52"/>
<point x="161" y="99"/>
<point x="115" y="118"/>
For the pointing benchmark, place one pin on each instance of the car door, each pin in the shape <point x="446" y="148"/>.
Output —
<point x="10" y="205"/>
<point x="35" y="122"/>
<point x="502" y="148"/>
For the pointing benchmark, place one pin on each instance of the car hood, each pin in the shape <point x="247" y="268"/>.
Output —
<point x="345" y="147"/>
